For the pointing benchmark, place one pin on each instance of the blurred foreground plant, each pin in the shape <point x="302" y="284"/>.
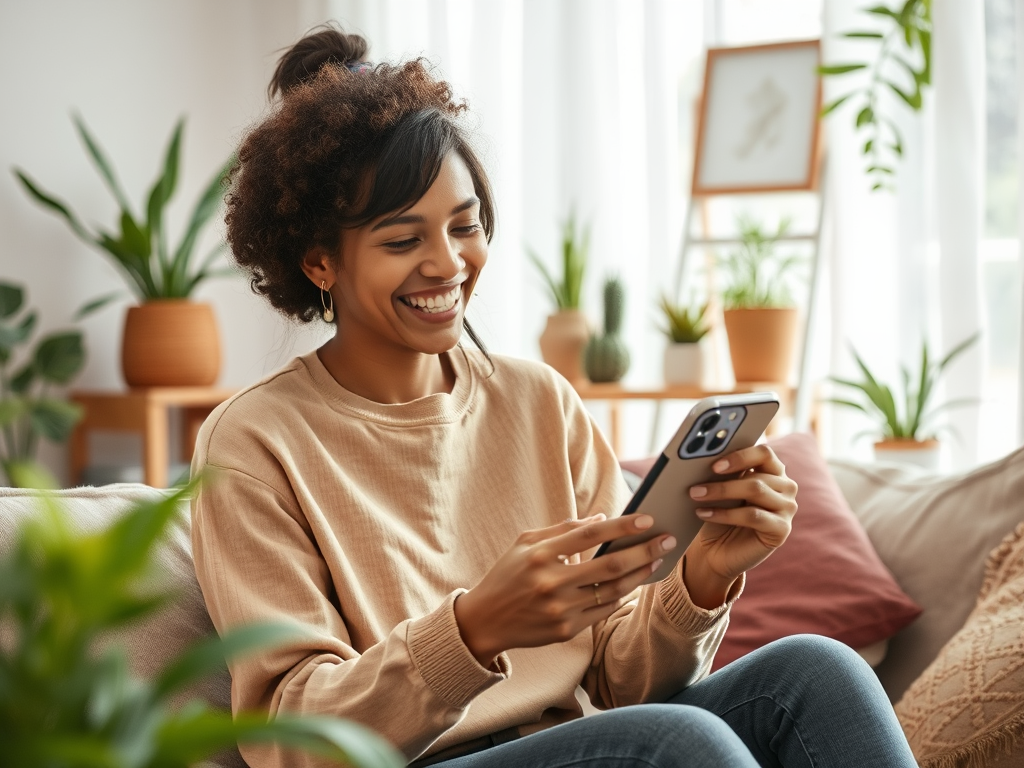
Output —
<point x="67" y="699"/>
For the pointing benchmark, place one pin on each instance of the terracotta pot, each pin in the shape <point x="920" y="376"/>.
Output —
<point x="918" y="453"/>
<point x="170" y="343"/>
<point x="761" y="343"/>
<point x="686" y="364"/>
<point x="563" y="342"/>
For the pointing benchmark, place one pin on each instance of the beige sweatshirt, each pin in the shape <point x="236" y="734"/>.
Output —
<point x="362" y="522"/>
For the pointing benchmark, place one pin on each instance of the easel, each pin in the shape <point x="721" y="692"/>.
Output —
<point x="699" y="199"/>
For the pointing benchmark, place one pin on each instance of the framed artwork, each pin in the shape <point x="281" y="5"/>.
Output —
<point x="758" y="125"/>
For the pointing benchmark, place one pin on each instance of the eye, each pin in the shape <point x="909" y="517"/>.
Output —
<point x="401" y="245"/>
<point x="469" y="229"/>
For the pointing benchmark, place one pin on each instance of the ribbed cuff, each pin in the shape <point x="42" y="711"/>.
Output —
<point x="681" y="611"/>
<point x="444" y="661"/>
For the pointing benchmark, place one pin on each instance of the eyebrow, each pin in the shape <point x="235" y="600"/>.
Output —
<point x="411" y="218"/>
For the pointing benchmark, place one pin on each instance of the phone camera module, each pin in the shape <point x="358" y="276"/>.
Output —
<point x="709" y="423"/>
<point x="718" y="440"/>
<point x="695" y="445"/>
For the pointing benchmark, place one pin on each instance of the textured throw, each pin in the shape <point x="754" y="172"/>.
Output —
<point x="967" y="709"/>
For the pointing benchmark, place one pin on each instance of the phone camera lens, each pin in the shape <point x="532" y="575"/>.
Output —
<point x="709" y="423"/>
<point x="695" y="445"/>
<point x="718" y="440"/>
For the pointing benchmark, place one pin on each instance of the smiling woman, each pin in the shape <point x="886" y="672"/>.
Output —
<point x="426" y="513"/>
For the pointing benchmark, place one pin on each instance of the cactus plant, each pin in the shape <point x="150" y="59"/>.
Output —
<point x="606" y="357"/>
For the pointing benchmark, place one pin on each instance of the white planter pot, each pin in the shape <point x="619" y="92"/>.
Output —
<point x="686" y="364"/>
<point x="924" y="453"/>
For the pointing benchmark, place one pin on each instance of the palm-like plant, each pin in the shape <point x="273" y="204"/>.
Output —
<point x="684" y="325"/>
<point x="140" y="247"/>
<point x="757" y="276"/>
<point x="67" y="699"/>
<point x="566" y="291"/>
<point x="903" y="415"/>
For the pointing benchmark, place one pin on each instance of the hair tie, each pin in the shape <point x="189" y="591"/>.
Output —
<point x="358" y="67"/>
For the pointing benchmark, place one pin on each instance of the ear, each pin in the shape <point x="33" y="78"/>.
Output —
<point x="318" y="264"/>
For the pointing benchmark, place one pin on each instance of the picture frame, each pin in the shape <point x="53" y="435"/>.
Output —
<point x="758" y="127"/>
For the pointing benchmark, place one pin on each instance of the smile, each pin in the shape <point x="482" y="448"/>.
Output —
<point x="433" y="305"/>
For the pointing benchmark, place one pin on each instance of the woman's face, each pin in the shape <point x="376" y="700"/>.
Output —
<point x="405" y="278"/>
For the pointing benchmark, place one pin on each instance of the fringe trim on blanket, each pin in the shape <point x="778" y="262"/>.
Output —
<point x="981" y="752"/>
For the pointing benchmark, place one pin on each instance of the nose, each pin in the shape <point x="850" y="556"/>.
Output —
<point x="443" y="260"/>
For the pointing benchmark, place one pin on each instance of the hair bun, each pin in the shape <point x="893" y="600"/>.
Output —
<point x="327" y="45"/>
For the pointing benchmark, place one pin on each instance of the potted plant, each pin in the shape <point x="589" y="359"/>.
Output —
<point x="168" y="339"/>
<point x="759" y="312"/>
<point x="606" y="357"/>
<point x="68" y="698"/>
<point x="28" y="409"/>
<point x="904" y="417"/>
<point x="567" y="331"/>
<point x="686" y="328"/>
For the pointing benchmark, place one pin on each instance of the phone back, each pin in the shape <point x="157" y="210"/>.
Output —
<point x="665" y="491"/>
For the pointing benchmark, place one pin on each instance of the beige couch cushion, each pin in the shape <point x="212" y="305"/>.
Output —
<point x="149" y="645"/>
<point x="967" y="708"/>
<point x="933" y="533"/>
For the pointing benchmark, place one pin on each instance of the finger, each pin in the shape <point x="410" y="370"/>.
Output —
<point x="760" y="457"/>
<point x="581" y="538"/>
<point x="769" y="491"/>
<point x="615" y="593"/>
<point x="615" y="565"/>
<point x="773" y="528"/>
<point x="537" y="535"/>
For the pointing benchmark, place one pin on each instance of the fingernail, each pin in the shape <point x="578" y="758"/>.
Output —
<point x="598" y="516"/>
<point x="721" y="466"/>
<point x="698" y="491"/>
<point x="669" y="543"/>
<point x="656" y="564"/>
<point x="643" y="521"/>
<point x="705" y="513"/>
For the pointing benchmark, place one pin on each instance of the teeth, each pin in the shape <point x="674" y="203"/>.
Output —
<point x="436" y="304"/>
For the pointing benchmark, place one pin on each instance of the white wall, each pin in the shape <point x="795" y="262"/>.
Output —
<point x="131" y="69"/>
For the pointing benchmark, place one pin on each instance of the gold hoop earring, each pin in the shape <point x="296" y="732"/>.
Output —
<point x="328" y="314"/>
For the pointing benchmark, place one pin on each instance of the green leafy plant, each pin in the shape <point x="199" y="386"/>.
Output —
<point x="606" y="357"/>
<point x="756" y="274"/>
<point x="683" y="324"/>
<point x="140" y="249"/>
<point x="567" y="290"/>
<point x="902" y="67"/>
<point x="28" y="409"/>
<point x="67" y="699"/>
<point x="906" y="414"/>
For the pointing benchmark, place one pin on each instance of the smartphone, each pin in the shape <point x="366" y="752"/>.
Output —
<point x="714" y="427"/>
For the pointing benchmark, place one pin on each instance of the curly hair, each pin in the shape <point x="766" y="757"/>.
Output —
<point x="343" y="145"/>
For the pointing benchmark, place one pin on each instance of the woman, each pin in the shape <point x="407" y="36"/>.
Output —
<point x="425" y="512"/>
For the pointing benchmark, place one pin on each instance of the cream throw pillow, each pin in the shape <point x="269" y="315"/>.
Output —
<point x="967" y="709"/>
<point x="934" y="533"/>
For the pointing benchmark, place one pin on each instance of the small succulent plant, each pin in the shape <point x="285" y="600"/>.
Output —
<point x="606" y="357"/>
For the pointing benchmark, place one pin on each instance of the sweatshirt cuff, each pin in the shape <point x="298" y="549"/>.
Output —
<point x="444" y="661"/>
<point x="681" y="611"/>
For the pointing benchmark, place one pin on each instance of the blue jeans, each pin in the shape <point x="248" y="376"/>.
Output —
<point x="800" y="701"/>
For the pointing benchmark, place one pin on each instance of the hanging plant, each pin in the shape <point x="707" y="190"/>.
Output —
<point x="902" y="67"/>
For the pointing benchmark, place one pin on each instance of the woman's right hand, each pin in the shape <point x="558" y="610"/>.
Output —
<point x="538" y="593"/>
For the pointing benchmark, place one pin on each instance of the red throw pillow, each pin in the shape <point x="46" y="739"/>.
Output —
<point x="825" y="580"/>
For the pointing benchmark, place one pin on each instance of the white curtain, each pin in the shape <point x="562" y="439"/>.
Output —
<point x="1020" y="209"/>
<point x="905" y="267"/>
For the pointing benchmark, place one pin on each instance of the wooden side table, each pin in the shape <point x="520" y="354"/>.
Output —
<point x="616" y="393"/>
<point x="146" y="411"/>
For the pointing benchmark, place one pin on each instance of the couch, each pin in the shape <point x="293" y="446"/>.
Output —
<point x="934" y="534"/>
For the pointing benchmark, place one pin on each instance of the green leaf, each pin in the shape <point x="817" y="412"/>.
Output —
<point x="832" y="106"/>
<point x="12" y="409"/>
<point x="102" y="164"/>
<point x="912" y="100"/>
<point x="868" y="145"/>
<point x="96" y="304"/>
<point x="54" y="419"/>
<point x="205" y="208"/>
<point x="840" y="69"/>
<point x="865" y="116"/>
<point x="164" y="187"/>
<point x="11" y="299"/>
<point x="881" y="10"/>
<point x="328" y="736"/>
<point x="60" y="356"/>
<point x="863" y="35"/>
<point x="54" y="204"/>
<point x="957" y="350"/>
<point x="29" y="474"/>
<point x="22" y="380"/>
<point x="880" y="169"/>
<point x="134" y="239"/>
<point x="206" y="658"/>
<point x="10" y="336"/>
<point x="847" y="403"/>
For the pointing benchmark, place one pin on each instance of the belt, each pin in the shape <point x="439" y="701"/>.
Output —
<point x="468" y="747"/>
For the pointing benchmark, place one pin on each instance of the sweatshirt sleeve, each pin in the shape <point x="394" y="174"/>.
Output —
<point x="659" y="642"/>
<point x="257" y="561"/>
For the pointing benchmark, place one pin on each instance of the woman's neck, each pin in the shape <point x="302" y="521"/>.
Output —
<point x="386" y="375"/>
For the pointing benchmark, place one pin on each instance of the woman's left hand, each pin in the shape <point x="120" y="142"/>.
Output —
<point x="734" y="540"/>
